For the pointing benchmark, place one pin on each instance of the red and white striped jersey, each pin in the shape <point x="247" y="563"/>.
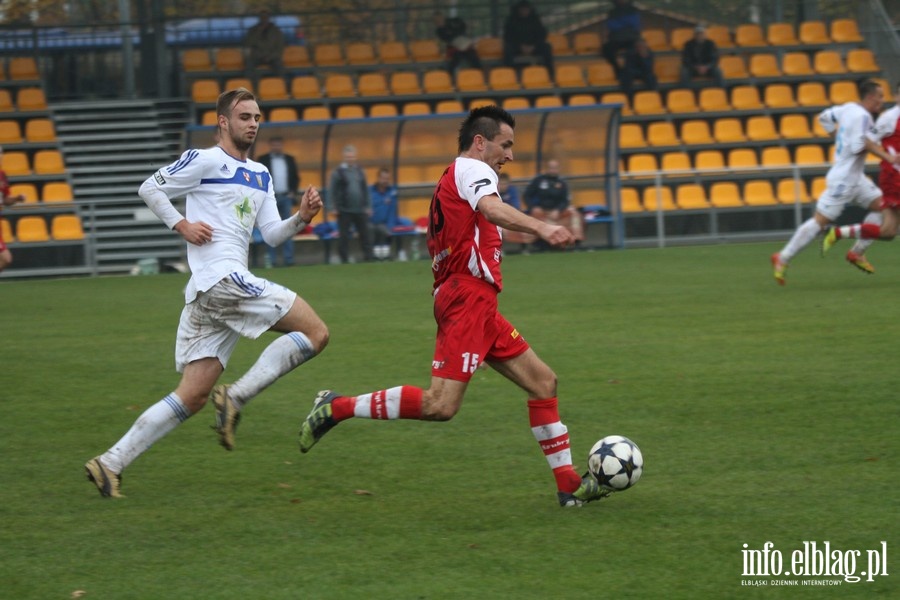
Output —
<point x="461" y="241"/>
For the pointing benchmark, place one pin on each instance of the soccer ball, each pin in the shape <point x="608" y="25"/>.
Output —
<point x="616" y="462"/>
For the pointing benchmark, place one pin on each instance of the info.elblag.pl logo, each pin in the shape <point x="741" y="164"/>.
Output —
<point x="814" y="563"/>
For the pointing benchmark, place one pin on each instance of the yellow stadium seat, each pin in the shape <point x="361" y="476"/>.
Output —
<point x="691" y="196"/>
<point x="559" y="44"/>
<point x="761" y="128"/>
<point x="414" y="208"/>
<point x="28" y="190"/>
<point x="582" y="100"/>
<point x="393" y="53"/>
<point x="759" y="192"/>
<point x="448" y="106"/>
<point x="471" y="80"/>
<point x="229" y="59"/>
<point x="209" y="118"/>
<point x="764" y="65"/>
<point x="339" y="85"/>
<point x="629" y="201"/>
<point x="196" y="59"/>
<point x="10" y="132"/>
<point x="350" y="111"/>
<point x="667" y="68"/>
<point x="673" y="162"/>
<point x="779" y="95"/>
<point x="405" y="83"/>
<point x="680" y="36"/>
<point x="809" y="154"/>
<point x="647" y="102"/>
<point x="548" y="102"/>
<point x="781" y="34"/>
<point x="816" y="187"/>
<point x="234" y="83"/>
<point x="489" y="48"/>
<point x="861" y="60"/>
<point x="733" y="67"/>
<point x="696" y="131"/>
<point x="511" y="103"/>
<point x="361" y="53"/>
<point x="32" y="229"/>
<point x="709" y="159"/>
<point x="49" y="162"/>
<point x="514" y="101"/>
<point x="437" y="82"/>
<point x="23" y="68"/>
<point x="296" y="57"/>
<point x="503" y="79"/>
<point x="745" y="97"/>
<point x="425" y="51"/>
<point x="742" y="158"/>
<point x="659" y="197"/>
<point x="283" y="114"/>
<point x="642" y="164"/>
<point x="817" y="128"/>
<point x="272" y="88"/>
<point x="775" y="156"/>
<point x="15" y="164"/>
<point x="656" y="39"/>
<point x="536" y="77"/>
<point x="845" y="31"/>
<point x="416" y="108"/>
<point x="828" y="62"/>
<point x="328" y="55"/>
<point x="811" y="93"/>
<point x="795" y="127"/>
<point x="725" y="195"/>
<point x="6" y="232"/>
<point x="372" y="84"/>
<point x="383" y="109"/>
<point x="789" y="191"/>
<point x="304" y="87"/>
<point x="31" y="99"/>
<point x="720" y="35"/>
<point x="749" y="35"/>
<point x="681" y="101"/>
<point x="586" y="42"/>
<point x="6" y="103"/>
<point x="617" y="98"/>
<point x="714" y="100"/>
<point x="570" y="76"/>
<point x="66" y="228"/>
<point x="729" y="130"/>
<point x="316" y="113"/>
<point x="814" y="32"/>
<point x="57" y="191"/>
<point x="662" y="133"/>
<point x="795" y="64"/>
<point x="601" y="75"/>
<point x="840" y="92"/>
<point x="631" y="136"/>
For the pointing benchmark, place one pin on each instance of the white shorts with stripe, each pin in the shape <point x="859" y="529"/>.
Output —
<point x="241" y="304"/>
<point x="837" y="197"/>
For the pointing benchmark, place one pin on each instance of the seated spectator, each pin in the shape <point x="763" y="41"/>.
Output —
<point x="460" y="47"/>
<point x="547" y="198"/>
<point x="510" y="195"/>
<point x="638" y="65"/>
<point x="384" y="216"/>
<point x="264" y="43"/>
<point x="700" y="58"/>
<point x="525" y="38"/>
<point x="623" y="28"/>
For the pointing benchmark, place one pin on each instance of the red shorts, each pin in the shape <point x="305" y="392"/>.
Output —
<point x="889" y="182"/>
<point x="470" y="329"/>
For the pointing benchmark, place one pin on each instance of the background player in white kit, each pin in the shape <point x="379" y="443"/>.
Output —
<point x="227" y="194"/>
<point x="846" y="182"/>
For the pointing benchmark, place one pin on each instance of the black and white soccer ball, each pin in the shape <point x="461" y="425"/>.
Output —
<point x="616" y="462"/>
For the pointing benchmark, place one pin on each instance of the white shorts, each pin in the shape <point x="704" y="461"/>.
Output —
<point x="239" y="305"/>
<point x="837" y="197"/>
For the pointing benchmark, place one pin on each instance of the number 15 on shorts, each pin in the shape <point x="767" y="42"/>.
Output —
<point x="470" y="362"/>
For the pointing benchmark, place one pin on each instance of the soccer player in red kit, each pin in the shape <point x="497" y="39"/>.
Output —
<point x="464" y="240"/>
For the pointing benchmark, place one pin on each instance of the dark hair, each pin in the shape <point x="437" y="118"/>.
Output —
<point x="484" y="121"/>
<point x="868" y="87"/>
<point x="228" y="100"/>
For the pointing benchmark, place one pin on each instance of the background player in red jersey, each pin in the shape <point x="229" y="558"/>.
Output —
<point x="464" y="241"/>
<point x="6" y="200"/>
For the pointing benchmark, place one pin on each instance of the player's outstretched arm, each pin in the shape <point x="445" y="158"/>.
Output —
<point x="503" y="215"/>
<point x="310" y="204"/>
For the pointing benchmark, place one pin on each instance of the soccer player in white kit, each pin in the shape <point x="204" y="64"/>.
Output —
<point x="846" y="182"/>
<point x="227" y="194"/>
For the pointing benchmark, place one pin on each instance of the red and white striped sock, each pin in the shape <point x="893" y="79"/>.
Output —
<point x="862" y="231"/>
<point x="553" y="438"/>
<point x="402" y="402"/>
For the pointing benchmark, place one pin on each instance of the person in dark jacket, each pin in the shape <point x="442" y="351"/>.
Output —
<point x="460" y="47"/>
<point x="700" y="58"/>
<point x="623" y="28"/>
<point x="286" y="182"/>
<point x="524" y="36"/>
<point x="348" y="202"/>
<point x="547" y="199"/>
<point x="638" y="65"/>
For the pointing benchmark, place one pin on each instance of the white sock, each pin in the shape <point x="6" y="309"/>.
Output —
<point x="280" y="357"/>
<point x="861" y="246"/>
<point x="153" y="424"/>
<point x="805" y="234"/>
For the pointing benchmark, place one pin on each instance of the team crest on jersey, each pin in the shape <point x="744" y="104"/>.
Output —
<point x="244" y="212"/>
<point x="259" y="180"/>
<point x="247" y="176"/>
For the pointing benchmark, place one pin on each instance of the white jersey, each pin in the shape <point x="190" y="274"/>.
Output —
<point x="228" y="194"/>
<point x="852" y="124"/>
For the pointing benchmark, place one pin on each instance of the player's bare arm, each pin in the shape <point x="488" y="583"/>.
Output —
<point x="197" y="233"/>
<point x="876" y="149"/>
<point x="310" y="204"/>
<point x="503" y="215"/>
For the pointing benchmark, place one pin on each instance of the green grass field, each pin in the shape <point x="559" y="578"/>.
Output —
<point x="764" y="414"/>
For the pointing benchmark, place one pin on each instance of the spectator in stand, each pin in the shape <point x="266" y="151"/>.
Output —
<point x="384" y="216"/>
<point x="547" y="198"/>
<point x="264" y="43"/>
<point x="6" y="200"/>
<point x="286" y="181"/>
<point x="460" y="47"/>
<point x="510" y="195"/>
<point x="623" y="29"/>
<point x="525" y="37"/>
<point x="348" y="203"/>
<point x="700" y="58"/>
<point x="638" y="65"/>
